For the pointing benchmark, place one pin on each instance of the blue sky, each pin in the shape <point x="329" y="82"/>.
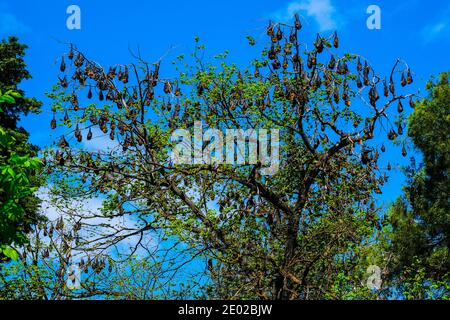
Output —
<point x="417" y="31"/>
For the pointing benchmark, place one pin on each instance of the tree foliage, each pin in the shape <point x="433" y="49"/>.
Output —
<point x="12" y="72"/>
<point x="291" y="235"/>
<point x="19" y="168"/>
<point x="418" y="236"/>
<point x="15" y="173"/>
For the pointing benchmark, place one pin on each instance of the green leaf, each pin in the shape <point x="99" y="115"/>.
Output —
<point x="15" y="95"/>
<point x="251" y="40"/>
<point x="8" y="99"/>
<point x="10" y="253"/>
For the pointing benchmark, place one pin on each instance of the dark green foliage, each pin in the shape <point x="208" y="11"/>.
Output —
<point x="12" y="72"/>
<point x="15" y="147"/>
<point x="15" y="187"/>
<point x="419" y="236"/>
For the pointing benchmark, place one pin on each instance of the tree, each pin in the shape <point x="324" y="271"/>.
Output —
<point x="42" y="269"/>
<point x="16" y="153"/>
<point x="15" y="173"/>
<point x="55" y="264"/>
<point x="288" y="234"/>
<point x="418" y="226"/>
<point x="12" y="72"/>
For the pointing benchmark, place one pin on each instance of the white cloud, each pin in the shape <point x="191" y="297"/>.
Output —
<point x="433" y="31"/>
<point x="51" y="211"/>
<point x="437" y="29"/>
<point x="95" y="226"/>
<point x="10" y="25"/>
<point x="322" y="11"/>
<point x="100" y="142"/>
